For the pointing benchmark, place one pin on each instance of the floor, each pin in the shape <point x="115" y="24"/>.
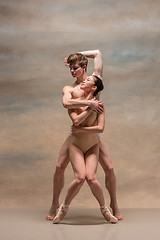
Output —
<point x="79" y="224"/>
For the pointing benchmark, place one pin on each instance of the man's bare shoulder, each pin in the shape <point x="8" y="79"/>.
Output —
<point x="74" y="90"/>
<point x="68" y="89"/>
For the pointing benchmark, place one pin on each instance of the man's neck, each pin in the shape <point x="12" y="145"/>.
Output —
<point x="81" y="78"/>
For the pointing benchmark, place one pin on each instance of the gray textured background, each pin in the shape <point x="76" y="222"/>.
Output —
<point x="35" y="36"/>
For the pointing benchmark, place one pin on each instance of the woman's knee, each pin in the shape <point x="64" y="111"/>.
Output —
<point x="91" y="179"/>
<point x="80" y="179"/>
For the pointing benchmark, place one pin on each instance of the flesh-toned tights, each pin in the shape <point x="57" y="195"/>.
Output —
<point x="84" y="167"/>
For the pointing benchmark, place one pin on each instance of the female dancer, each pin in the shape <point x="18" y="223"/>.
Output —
<point x="84" y="150"/>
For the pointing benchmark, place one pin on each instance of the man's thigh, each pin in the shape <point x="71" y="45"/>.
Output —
<point x="104" y="157"/>
<point x="63" y="158"/>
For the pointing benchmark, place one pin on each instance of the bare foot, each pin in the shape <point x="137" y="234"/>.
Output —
<point x="116" y="212"/>
<point x="52" y="212"/>
<point x="108" y="215"/>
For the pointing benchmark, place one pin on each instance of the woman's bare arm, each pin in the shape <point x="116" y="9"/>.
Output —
<point x="78" y="118"/>
<point x="92" y="129"/>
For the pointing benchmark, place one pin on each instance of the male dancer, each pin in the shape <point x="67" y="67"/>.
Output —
<point x="78" y="67"/>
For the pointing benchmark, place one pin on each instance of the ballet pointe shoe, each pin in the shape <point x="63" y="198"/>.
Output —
<point x="61" y="213"/>
<point x="104" y="211"/>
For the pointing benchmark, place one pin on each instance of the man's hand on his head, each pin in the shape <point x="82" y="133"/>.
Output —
<point x="65" y="60"/>
<point x="97" y="106"/>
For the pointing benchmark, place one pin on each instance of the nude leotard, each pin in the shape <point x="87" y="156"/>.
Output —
<point x="85" y="141"/>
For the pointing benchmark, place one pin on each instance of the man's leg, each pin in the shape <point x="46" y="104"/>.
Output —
<point x="58" y="179"/>
<point x="110" y="178"/>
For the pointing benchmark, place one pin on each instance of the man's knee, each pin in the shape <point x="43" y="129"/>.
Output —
<point x="60" y="169"/>
<point x="109" y="171"/>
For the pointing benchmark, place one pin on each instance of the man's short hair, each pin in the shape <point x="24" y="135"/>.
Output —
<point x="77" y="58"/>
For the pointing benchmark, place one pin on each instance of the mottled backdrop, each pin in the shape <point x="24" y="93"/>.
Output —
<point x="35" y="36"/>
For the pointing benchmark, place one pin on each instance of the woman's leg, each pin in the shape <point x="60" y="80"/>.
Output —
<point x="91" y="158"/>
<point x="77" y="160"/>
<point x="91" y="168"/>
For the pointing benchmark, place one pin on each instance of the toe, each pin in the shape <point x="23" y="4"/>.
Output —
<point x="49" y="217"/>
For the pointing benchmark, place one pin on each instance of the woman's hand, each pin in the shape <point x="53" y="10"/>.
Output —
<point x="75" y="129"/>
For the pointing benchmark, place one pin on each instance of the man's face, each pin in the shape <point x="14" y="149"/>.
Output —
<point x="76" y="70"/>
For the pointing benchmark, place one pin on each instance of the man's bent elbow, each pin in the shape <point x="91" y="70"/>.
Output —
<point x="76" y="123"/>
<point x="101" y="129"/>
<point x="65" y="104"/>
<point x="98" y="52"/>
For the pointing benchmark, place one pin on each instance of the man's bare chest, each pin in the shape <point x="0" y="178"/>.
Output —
<point x="77" y="92"/>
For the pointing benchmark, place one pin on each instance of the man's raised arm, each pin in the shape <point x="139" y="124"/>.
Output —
<point x="98" y="64"/>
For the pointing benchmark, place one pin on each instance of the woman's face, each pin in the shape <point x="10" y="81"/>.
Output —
<point x="88" y="83"/>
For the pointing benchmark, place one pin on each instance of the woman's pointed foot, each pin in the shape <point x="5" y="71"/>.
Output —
<point x="61" y="213"/>
<point x="108" y="215"/>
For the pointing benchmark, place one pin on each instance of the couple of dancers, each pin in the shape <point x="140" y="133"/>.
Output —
<point x="84" y="147"/>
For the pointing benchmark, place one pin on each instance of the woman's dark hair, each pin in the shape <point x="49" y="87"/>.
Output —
<point x="99" y="84"/>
